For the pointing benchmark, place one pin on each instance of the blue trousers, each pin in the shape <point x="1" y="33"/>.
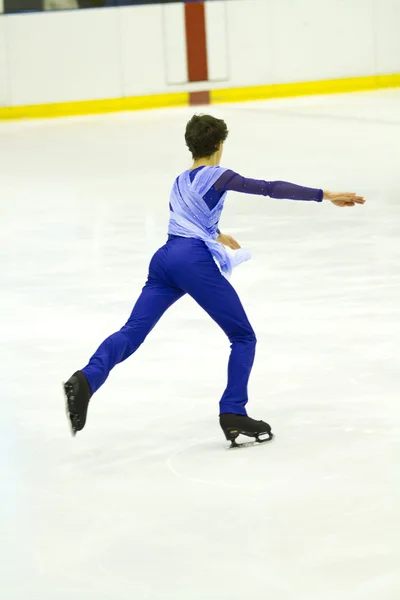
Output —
<point x="184" y="266"/>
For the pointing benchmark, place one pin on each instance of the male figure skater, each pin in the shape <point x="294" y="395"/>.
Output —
<point x="195" y="261"/>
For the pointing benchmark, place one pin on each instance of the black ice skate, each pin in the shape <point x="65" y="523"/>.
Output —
<point x="235" y="425"/>
<point x="77" y="394"/>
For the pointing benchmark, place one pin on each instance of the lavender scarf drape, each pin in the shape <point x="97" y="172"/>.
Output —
<point x="190" y="216"/>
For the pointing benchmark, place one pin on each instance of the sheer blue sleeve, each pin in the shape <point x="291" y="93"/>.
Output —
<point x="231" y="181"/>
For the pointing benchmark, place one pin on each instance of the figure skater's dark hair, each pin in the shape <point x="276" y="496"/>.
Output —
<point x="204" y="134"/>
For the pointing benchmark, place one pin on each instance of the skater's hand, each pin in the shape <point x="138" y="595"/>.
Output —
<point x="228" y="240"/>
<point x="344" y="198"/>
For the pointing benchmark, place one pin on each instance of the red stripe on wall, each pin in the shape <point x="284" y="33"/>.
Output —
<point x="199" y="98"/>
<point x="196" y="41"/>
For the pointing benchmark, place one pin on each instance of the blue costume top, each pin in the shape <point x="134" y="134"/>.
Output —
<point x="197" y="199"/>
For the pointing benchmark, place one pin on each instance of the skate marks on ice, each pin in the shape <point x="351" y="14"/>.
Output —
<point x="211" y="463"/>
<point x="331" y="455"/>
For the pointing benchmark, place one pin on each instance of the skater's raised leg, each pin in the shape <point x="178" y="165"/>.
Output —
<point x="154" y="300"/>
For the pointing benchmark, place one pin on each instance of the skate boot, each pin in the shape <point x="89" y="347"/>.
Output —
<point x="77" y="394"/>
<point x="233" y="425"/>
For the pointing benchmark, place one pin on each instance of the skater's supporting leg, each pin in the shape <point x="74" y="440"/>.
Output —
<point x="202" y="280"/>
<point x="154" y="300"/>
<point x="223" y="305"/>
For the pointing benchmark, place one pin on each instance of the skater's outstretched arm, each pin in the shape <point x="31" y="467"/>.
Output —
<point x="231" y="181"/>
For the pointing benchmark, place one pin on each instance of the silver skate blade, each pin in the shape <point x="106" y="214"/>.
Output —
<point x="261" y="440"/>
<point x="255" y="442"/>
<point x="72" y="430"/>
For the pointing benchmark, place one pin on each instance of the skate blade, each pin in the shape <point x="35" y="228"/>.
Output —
<point x="71" y="427"/>
<point x="259" y="442"/>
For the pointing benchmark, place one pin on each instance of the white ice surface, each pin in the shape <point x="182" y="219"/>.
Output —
<point x="146" y="503"/>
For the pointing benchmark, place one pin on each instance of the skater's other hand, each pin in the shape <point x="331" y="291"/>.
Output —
<point x="228" y="240"/>
<point x="344" y="198"/>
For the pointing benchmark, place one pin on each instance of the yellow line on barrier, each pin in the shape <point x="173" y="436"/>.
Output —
<point x="242" y="94"/>
<point x="305" y="88"/>
<point x="93" y="107"/>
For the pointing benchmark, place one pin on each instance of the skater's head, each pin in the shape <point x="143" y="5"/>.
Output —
<point x="205" y="136"/>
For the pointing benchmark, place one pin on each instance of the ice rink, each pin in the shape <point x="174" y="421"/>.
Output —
<point x="147" y="503"/>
